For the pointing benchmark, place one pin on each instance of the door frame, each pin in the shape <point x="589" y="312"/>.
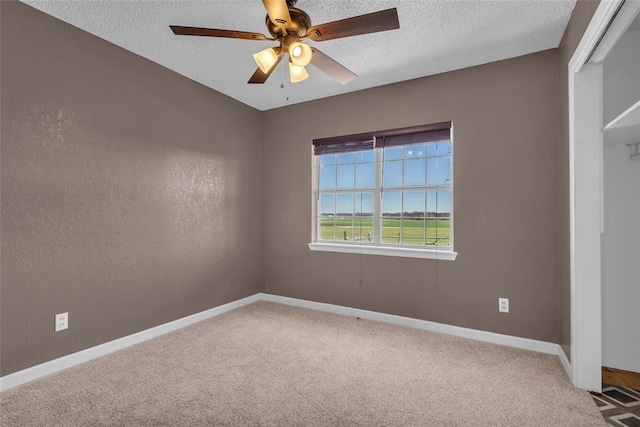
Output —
<point x="586" y="183"/>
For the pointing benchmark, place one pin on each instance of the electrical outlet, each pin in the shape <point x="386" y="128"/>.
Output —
<point x="62" y="321"/>
<point x="503" y="305"/>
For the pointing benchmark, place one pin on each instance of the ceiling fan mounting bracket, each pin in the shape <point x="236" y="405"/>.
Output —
<point x="300" y="23"/>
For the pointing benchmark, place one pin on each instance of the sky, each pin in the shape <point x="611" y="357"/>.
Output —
<point x="410" y="165"/>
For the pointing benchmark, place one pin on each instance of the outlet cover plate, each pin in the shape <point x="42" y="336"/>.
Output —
<point x="62" y="321"/>
<point x="503" y="305"/>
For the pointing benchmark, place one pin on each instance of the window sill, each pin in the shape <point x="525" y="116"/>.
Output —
<point x="445" y="255"/>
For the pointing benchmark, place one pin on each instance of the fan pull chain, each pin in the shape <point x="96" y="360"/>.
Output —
<point x="282" y="78"/>
<point x="282" y="75"/>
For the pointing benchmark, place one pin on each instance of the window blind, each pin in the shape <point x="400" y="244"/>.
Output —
<point x="414" y="138"/>
<point x="384" y="138"/>
<point x="343" y="144"/>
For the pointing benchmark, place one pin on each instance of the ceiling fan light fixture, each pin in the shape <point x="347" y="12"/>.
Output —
<point x="266" y="59"/>
<point x="300" y="54"/>
<point x="291" y="27"/>
<point x="297" y="73"/>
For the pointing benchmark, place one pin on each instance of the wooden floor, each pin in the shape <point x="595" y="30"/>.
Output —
<point x="621" y="378"/>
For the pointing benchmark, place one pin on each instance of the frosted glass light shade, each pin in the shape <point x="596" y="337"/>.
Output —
<point x="297" y="73"/>
<point x="265" y="59"/>
<point x="300" y="54"/>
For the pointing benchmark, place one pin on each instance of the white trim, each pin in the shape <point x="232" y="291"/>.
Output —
<point x="64" y="362"/>
<point x="313" y="305"/>
<point x="585" y="183"/>
<point x="475" y="334"/>
<point x="598" y="25"/>
<point x="21" y="377"/>
<point x="405" y="252"/>
<point x="585" y="141"/>
<point x="621" y="363"/>
<point x="565" y="362"/>
<point x="627" y="12"/>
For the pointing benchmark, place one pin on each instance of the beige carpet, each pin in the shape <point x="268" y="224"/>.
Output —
<point x="272" y="365"/>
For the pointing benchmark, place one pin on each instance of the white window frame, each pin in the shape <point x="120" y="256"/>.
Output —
<point x="377" y="248"/>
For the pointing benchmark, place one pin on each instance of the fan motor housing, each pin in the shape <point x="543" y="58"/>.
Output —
<point x="300" y="23"/>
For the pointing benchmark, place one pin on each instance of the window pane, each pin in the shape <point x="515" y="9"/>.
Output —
<point x="439" y="149"/>
<point x="443" y="207"/>
<point x="327" y="159"/>
<point x="414" y="151"/>
<point x="364" y="230"/>
<point x="413" y="204"/>
<point x="390" y="231"/>
<point x="444" y="170"/>
<point x="392" y="153"/>
<point x="344" y="229"/>
<point x="345" y="176"/>
<point x="413" y="232"/>
<point x="392" y="174"/>
<point x="327" y="177"/>
<point x="432" y="171"/>
<point x="346" y="158"/>
<point x="326" y="229"/>
<point x="365" y="156"/>
<point x="364" y="204"/>
<point x="439" y="203"/>
<point x="443" y="230"/>
<point x="432" y="203"/>
<point x="414" y="172"/>
<point x="444" y="148"/>
<point x="432" y="234"/>
<point x="391" y="203"/>
<point x="327" y="205"/>
<point x="432" y="149"/>
<point x="439" y="171"/>
<point x="365" y="175"/>
<point x="344" y="204"/>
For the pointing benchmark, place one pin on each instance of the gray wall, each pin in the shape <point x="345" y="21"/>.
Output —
<point x="505" y="116"/>
<point x="130" y="194"/>
<point x="580" y="18"/>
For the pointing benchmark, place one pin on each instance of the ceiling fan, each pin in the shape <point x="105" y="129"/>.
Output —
<point x="291" y="27"/>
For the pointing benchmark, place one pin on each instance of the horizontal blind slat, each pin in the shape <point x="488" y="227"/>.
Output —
<point x="414" y="138"/>
<point x="385" y="138"/>
<point x="341" y="147"/>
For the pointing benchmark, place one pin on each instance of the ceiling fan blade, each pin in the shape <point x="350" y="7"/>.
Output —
<point x="259" y="77"/>
<point x="363" y="24"/>
<point x="278" y="12"/>
<point x="331" y="67"/>
<point x="210" y="32"/>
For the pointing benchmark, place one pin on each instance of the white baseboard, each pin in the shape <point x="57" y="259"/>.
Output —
<point x="621" y="363"/>
<point x="52" y="366"/>
<point x="491" y="337"/>
<point x="320" y="306"/>
<point x="565" y="363"/>
<point x="64" y="362"/>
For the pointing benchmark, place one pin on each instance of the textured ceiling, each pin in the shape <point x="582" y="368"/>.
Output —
<point x="434" y="37"/>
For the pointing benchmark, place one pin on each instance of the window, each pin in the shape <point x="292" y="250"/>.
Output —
<point x="388" y="192"/>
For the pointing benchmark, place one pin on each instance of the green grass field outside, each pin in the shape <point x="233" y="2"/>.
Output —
<point x="394" y="231"/>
